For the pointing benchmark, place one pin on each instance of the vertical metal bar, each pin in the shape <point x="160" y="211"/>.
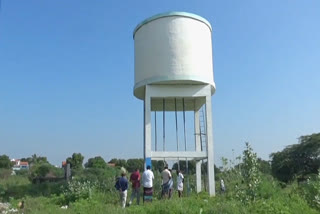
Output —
<point x="177" y="137"/>
<point x="184" y="125"/>
<point x="144" y="131"/>
<point x="185" y="143"/>
<point x="155" y="131"/>
<point x="164" y="127"/>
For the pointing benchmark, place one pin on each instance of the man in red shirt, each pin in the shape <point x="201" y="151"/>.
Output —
<point x="135" y="180"/>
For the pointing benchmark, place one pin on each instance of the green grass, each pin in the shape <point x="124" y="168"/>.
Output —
<point x="196" y="203"/>
<point x="49" y="197"/>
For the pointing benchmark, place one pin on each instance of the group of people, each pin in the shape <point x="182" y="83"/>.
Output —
<point x="167" y="182"/>
<point x="122" y="185"/>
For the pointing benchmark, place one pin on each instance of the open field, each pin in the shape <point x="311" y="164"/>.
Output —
<point x="251" y="187"/>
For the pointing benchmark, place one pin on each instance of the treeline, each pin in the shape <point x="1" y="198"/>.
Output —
<point x="296" y="161"/>
<point x="132" y="164"/>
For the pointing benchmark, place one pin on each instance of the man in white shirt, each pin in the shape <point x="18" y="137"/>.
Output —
<point x="166" y="176"/>
<point x="180" y="181"/>
<point x="222" y="186"/>
<point x="147" y="182"/>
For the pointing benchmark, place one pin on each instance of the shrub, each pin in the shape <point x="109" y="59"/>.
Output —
<point x="76" y="190"/>
<point x="311" y="190"/>
<point x="248" y="190"/>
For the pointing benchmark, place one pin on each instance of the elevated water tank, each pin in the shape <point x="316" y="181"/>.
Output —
<point x="173" y="48"/>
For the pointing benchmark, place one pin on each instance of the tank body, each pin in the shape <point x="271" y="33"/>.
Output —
<point x="172" y="48"/>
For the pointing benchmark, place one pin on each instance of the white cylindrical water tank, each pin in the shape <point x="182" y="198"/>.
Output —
<point x="173" y="48"/>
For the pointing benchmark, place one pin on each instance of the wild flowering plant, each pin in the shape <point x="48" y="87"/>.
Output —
<point x="313" y="193"/>
<point x="76" y="190"/>
<point x="247" y="191"/>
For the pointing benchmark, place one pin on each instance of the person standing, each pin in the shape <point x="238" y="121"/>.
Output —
<point x="222" y="186"/>
<point x="135" y="180"/>
<point x="166" y="176"/>
<point x="122" y="187"/>
<point x="180" y="181"/>
<point x="147" y="181"/>
<point x="170" y="182"/>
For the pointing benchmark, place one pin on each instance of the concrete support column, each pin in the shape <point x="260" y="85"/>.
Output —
<point x="198" y="148"/>
<point x="147" y="125"/>
<point x="211" y="180"/>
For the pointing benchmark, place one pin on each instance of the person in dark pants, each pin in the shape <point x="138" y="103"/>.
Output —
<point x="122" y="187"/>
<point x="166" y="176"/>
<point x="147" y="181"/>
<point x="135" y="180"/>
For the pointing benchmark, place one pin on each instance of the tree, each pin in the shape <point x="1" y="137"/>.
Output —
<point x="264" y="166"/>
<point x="158" y="165"/>
<point x="119" y="162"/>
<point x="248" y="189"/>
<point x="133" y="164"/>
<point x="34" y="159"/>
<point x="5" y="162"/>
<point x="96" y="162"/>
<point x="113" y="160"/>
<point x="183" y="166"/>
<point x="204" y="169"/>
<point x="297" y="160"/>
<point x="42" y="169"/>
<point x="75" y="161"/>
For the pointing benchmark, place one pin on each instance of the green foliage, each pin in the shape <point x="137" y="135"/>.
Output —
<point x="76" y="190"/>
<point x="20" y="186"/>
<point x="103" y="203"/>
<point x="183" y="166"/>
<point x="264" y="166"/>
<point x="40" y="170"/>
<point x="250" y="189"/>
<point x="133" y="164"/>
<point x="158" y="165"/>
<point x="34" y="159"/>
<point x="103" y="178"/>
<point x="76" y="161"/>
<point x="5" y="162"/>
<point x="22" y="172"/>
<point x="311" y="190"/>
<point x="43" y="169"/>
<point x="315" y="186"/>
<point x="268" y="187"/>
<point x="204" y="169"/>
<point x="119" y="162"/>
<point x="5" y="173"/>
<point x="96" y="162"/>
<point x="250" y="174"/>
<point x="297" y="160"/>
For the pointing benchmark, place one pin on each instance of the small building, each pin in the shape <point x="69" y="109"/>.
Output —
<point x="18" y="164"/>
<point x="64" y="163"/>
<point x="111" y="164"/>
<point x="24" y="165"/>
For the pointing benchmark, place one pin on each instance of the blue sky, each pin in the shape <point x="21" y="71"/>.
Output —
<point x="66" y="75"/>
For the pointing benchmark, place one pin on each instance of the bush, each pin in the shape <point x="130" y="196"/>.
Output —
<point x="103" y="178"/>
<point x="5" y="173"/>
<point x="76" y="190"/>
<point x="311" y="190"/>
<point x="43" y="169"/>
<point x="22" y="173"/>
